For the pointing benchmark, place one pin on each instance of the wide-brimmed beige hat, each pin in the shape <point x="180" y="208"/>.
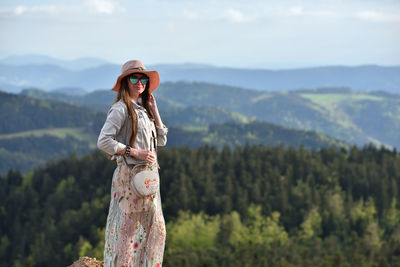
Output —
<point x="136" y="66"/>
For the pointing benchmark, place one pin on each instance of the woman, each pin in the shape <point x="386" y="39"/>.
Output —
<point x="135" y="231"/>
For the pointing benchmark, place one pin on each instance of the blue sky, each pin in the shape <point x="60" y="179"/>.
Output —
<point x="252" y="34"/>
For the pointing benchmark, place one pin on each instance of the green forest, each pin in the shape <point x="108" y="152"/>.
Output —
<point x="33" y="130"/>
<point x="252" y="205"/>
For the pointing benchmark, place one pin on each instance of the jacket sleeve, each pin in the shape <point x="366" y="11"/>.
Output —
<point x="106" y="141"/>
<point x="161" y="135"/>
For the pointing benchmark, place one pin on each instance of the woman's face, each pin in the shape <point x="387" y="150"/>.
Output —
<point x="136" y="89"/>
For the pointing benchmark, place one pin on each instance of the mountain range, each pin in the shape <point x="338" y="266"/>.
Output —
<point x="20" y="72"/>
<point x="34" y="59"/>
<point x="61" y="106"/>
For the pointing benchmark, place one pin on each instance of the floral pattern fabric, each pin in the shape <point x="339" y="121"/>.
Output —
<point x="135" y="231"/>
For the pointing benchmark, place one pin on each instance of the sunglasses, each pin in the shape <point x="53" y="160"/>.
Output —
<point x="134" y="79"/>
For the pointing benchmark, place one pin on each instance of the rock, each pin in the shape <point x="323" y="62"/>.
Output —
<point x="87" y="262"/>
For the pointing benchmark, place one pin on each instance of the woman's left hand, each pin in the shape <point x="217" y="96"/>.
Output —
<point x="152" y="103"/>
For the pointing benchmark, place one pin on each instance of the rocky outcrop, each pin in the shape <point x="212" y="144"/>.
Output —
<point x="87" y="262"/>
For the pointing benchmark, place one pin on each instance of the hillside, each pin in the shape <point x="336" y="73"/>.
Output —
<point x="233" y="134"/>
<point x="34" y="131"/>
<point x="354" y="116"/>
<point x="351" y="115"/>
<point x="19" y="113"/>
<point x="38" y="130"/>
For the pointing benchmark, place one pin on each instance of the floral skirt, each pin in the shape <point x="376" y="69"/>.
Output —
<point x="135" y="231"/>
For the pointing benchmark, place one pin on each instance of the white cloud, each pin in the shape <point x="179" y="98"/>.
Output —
<point x="230" y="14"/>
<point x="296" y="11"/>
<point x="299" y="11"/>
<point x="190" y="15"/>
<point x="235" y="16"/>
<point x="21" y="10"/>
<point x="374" y="16"/>
<point x="104" y="6"/>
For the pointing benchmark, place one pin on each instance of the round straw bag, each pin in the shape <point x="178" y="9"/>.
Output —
<point x="145" y="180"/>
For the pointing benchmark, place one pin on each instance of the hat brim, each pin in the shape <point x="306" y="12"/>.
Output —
<point x="154" y="79"/>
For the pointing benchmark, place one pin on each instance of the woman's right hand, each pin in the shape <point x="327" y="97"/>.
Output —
<point x="145" y="155"/>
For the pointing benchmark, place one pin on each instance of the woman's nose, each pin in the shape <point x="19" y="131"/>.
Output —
<point x="139" y="82"/>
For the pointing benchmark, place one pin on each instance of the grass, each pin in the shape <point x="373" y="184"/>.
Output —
<point x="261" y="97"/>
<point x="242" y="118"/>
<point x="61" y="133"/>
<point x="191" y="128"/>
<point x="326" y="99"/>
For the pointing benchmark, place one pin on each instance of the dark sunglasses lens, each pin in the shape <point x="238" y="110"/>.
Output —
<point x="144" y="80"/>
<point x="133" y="80"/>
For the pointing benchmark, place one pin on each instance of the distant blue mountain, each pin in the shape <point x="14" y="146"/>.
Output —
<point x="52" y="73"/>
<point x="49" y="77"/>
<point x="32" y="59"/>
<point x="367" y="77"/>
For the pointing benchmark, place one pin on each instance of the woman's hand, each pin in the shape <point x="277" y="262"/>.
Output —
<point x="152" y="103"/>
<point x="153" y="106"/>
<point x="145" y="155"/>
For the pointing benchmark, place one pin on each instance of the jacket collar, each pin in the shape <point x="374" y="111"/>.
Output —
<point x="137" y="106"/>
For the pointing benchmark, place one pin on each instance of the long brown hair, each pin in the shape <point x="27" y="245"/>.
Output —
<point x="123" y="94"/>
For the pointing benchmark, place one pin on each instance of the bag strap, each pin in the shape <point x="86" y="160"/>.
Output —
<point x="123" y="157"/>
<point x="126" y="121"/>
<point x="154" y="141"/>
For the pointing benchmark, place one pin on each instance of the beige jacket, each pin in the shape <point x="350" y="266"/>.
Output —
<point x="117" y="130"/>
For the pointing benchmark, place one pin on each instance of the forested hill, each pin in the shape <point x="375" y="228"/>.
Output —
<point x="358" y="117"/>
<point x="251" y="206"/>
<point x="255" y="132"/>
<point x="34" y="130"/>
<point x="20" y="113"/>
